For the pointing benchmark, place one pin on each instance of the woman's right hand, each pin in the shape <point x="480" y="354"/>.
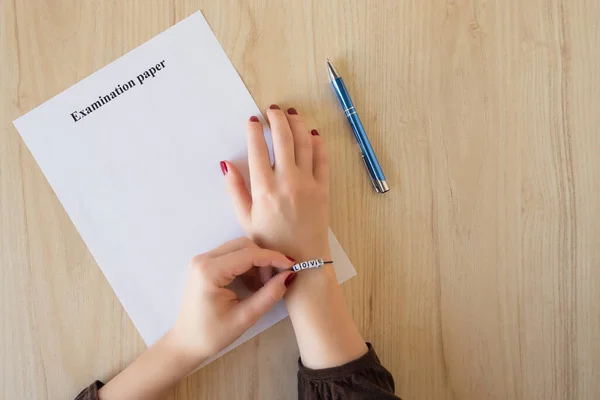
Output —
<point x="288" y="207"/>
<point x="212" y="316"/>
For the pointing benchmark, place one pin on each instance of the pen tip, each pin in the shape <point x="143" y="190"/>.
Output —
<point x="333" y="74"/>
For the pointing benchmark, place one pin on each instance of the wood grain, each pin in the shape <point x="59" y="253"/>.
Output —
<point x="479" y="271"/>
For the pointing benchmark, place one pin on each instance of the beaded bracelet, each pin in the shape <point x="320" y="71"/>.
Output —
<point x="318" y="263"/>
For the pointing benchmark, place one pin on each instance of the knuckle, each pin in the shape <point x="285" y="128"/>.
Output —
<point x="263" y="190"/>
<point x="238" y="182"/>
<point x="325" y="195"/>
<point x="268" y="198"/>
<point x="249" y="253"/>
<point x="200" y="262"/>
<point x="303" y="143"/>
<point x="246" y="242"/>
<point x="322" y="157"/>
<point x="300" y="191"/>
<point x="291" y="188"/>
<point x="288" y="191"/>
<point x="286" y="138"/>
<point x="271" y="297"/>
<point x="246" y="317"/>
<point x="197" y="260"/>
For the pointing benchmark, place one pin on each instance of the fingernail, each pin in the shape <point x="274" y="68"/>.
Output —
<point x="290" y="279"/>
<point x="274" y="107"/>
<point x="292" y="111"/>
<point x="223" y="167"/>
<point x="314" y="132"/>
<point x="290" y="258"/>
<point x="253" y="118"/>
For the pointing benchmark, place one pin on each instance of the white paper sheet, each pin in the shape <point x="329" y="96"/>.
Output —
<point x="139" y="175"/>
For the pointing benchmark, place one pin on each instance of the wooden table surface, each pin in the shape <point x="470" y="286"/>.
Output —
<point x="478" y="273"/>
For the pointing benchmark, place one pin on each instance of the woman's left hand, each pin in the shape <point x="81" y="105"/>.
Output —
<point x="212" y="316"/>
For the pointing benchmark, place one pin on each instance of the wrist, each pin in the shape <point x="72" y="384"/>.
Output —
<point x="312" y="281"/>
<point x="187" y="359"/>
<point x="313" y="252"/>
<point x="152" y="374"/>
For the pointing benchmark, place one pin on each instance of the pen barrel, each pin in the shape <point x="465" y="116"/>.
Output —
<point x="365" y="146"/>
<point x="357" y="128"/>
<point x="342" y="94"/>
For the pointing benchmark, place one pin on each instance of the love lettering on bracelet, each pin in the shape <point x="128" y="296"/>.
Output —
<point x="318" y="263"/>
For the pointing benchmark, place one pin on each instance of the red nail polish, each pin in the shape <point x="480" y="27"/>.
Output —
<point x="274" y="107"/>
<point x="290" y="258"/>
<point x="292" y="111"/>
<point x="224" y="167"/>
<point x="290" y="279"/>
<point x="314" y="132"/>
<point x="254" y="118"/>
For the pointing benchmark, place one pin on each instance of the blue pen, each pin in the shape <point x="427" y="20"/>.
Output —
<point x="368" y="155"/>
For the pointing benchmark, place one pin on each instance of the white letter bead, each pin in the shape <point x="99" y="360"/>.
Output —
<point x="318" y="263"/>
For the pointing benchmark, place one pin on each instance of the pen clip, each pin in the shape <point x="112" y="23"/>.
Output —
<point x="370" y="172"/>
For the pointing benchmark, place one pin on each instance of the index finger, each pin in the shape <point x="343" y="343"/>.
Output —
<point x="224" y="269"/>
<point x="259" y="161"/>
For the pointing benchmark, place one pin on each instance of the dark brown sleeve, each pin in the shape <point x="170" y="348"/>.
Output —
<point x="90" y="392"/>
<point x="364" y="378"/>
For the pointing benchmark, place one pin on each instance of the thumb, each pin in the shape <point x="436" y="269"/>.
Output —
<point x="255" y="306"/>
<point x="240" y="196"/>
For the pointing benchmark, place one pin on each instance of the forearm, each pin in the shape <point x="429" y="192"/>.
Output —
<point x="151" y="375"/>
<point x="326" y="333"/>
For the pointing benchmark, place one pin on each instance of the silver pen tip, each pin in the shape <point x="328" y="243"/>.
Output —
<point x="331" y="71"/>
